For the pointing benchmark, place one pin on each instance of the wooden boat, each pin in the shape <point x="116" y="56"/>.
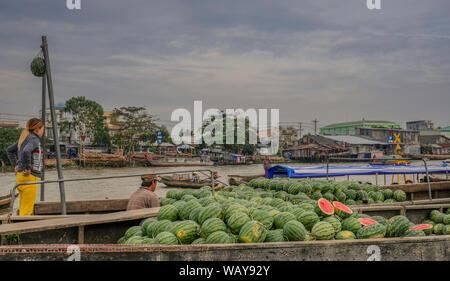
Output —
<point x="169" y="182"/>
<point x="5" y="201"/>
<point x="178" y="161"/>
<point x="237" y="179"/>
<point x="388" y="160"/>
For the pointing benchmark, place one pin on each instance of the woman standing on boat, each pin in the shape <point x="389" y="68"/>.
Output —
<point x="26" y="157"/>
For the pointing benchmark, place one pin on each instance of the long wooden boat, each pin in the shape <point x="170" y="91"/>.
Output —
<point x="178" y="161"/>
<point x="184" y="183"/>
<point x="5" y="201"/>
<point x="238" y="179"/>
<point x="95" y="237"/>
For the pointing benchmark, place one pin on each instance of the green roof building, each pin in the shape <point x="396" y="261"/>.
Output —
<point x="349" y="128"/>
<point x="446" y="129"/>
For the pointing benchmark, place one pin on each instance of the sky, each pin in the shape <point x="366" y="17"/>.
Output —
<point x="336" y="61"/>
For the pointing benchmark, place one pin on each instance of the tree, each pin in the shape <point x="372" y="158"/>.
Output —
<point x="87" y="120"/>
<point x="8" y="136"/>
<point x="135" y="125"/>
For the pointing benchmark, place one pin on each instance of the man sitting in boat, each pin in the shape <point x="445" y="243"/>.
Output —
<point x="195" y="177"/>
<point x="145" y="196"/>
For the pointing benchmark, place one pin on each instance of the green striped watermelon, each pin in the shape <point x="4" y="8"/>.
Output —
<point x="323" y="231"/>
<point x="351" y="224"/>
<point x="263" y="217"/>
<point x="193" y="216"/>
<point x="371" y="231"/>
<point x="212" y="225"/>
<point x="188" y="208"/>
<point x="334" y="222"/>
<point x="341" y="210"/>
<point x="211" y="211"/>
<point x="234" y="208"/>
<point x="166" y="238"/>
<point x="414" y="233"/>
<point x="426" y="228"/>
<point x="199" y="241"/>
<point x="308" y="219"/>
<point x="168" y="212"/>
<point x="134" y="240"/>
<point x="438" y="229"/>
<point x="282" y="218"/>
<point x="149" y="241"/>
<point x="306" y="206"/>
<point x="399" y="195"/>
<point x="187" y="231"/>
<point x="295" y="231"/>
<point x="345" y="235"/>
<point x="237" y="220"/>
<point x="252" y="232"/>
<point x="157" y="227"/>
<point x="131" y="231"/>
<point x="397" y="226"/>
<point x="219" y="237"/>
<point x="275" y="235"/>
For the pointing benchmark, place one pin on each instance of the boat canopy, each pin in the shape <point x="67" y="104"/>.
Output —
<point x="333" y="171"/>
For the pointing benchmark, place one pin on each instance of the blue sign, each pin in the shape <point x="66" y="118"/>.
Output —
<point x="159" y="134"/>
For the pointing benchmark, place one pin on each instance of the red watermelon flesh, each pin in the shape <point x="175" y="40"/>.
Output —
<point x="423" y="226"/>
<point x="341" y="207"/>
<point x="325" y="206"/>
<point x="367" y="221"/>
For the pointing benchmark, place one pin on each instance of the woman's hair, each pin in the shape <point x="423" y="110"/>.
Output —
<point x="32" y="124"/>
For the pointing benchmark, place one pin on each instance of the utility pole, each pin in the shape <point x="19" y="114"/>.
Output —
<point x="315" y="121"/>
<point x="44" y="95"/>
<point x="299" y="131"/>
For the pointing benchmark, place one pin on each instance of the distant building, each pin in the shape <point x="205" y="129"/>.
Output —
<point x="435" y="144"/>
<point x="112" y="122"/>
<point x="420" y="125"/>
<point x="349" y="128"/>
<point x="9" y="124"/>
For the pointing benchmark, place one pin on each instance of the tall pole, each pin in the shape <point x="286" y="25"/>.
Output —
<point x="315" y="126"/>
<point x="299" y="131"/>
<point x="54" y="125"/>
<point x="43" y="136"/>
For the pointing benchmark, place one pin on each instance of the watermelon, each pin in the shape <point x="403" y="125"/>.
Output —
<point x="351" y="224"/>
<point x="316" y="195"/>
<point x="199" y="241"/>
<point x="157" y="227"/>
<point x="308" y="219"/>
<point x="212" y="225"/>
<point x="275" y="235"/>
<point x="166" y="238"/>
<point x="306" y="206"/>
<point x="438" y="228"/>
<point x="399" y="195"/>
<point x="324" y="208"/>
<point x="168" y="212"/>
<point x="38" y="66"/>
<point x="414" y="233"/>
<point x="446" y="229"/>
<point x="210" y="211"/>
<point x="252" y="232"/>
<point x="149" y="241"/>
<point x="426" y="228"/>
<point x="367" y="221"/>
<point x="219" y="237"/>
<point x="282" y="218"/>
<point x="237" y="220"/>
<point x="439" y="218"/>
<point x="145" y="224"/>
<point x="397" y="226"/>
<point x="134" y="240"/>
<point x="187" y="231"/>
<point x="387" y="193"/>
<point x="350" y="194"/>
<point x="234" y="208"/>
<point x="328" y="196"/>
<point x="296" y="211"/>
<point x="263" y="217"/>
<point x="446" y="219"/>
<point x="188" y="208"/>
<point x="193" y="216"/>
<point x="121" y="240"/>
<point x="131" y="231"/>
<point x="334" y="222"/>
<point x="295" y="231"/>
<point x="350" y="202"/>
<point x="323" y="231"/>
<point x="380" y="219"/>
<point x="433" y="215"/>
<point x="371" y="231"/>
<point x="341" y="210"/>
<point x="341" y="197"/>
<point x="345" y="235"/>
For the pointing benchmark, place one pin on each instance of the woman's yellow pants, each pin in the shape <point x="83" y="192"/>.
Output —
<point x="27" y="193"/>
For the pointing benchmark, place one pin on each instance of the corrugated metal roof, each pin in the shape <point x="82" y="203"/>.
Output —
<point x="354" y="140"/>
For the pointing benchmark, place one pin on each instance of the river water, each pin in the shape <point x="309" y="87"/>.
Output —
<point x="123" y="188"/>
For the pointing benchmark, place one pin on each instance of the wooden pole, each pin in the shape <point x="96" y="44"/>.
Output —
<point x="62" y="192"/>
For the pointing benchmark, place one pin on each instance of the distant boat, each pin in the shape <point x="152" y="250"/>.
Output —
<point x="178" y="161"/>
<point x="169" y="182"/>
<point x="5" y="201"/>
<point x="388" y="160"/>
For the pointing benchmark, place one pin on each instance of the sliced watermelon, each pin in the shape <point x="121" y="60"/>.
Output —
<point x="427" y="228"/>
<point x="324" y="207"/>
<point x="341" y="210"/>
<point x="367" y="221"/>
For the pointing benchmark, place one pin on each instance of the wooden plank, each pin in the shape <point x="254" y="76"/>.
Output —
<point x="81" y="234"/>
<point x="50" y="224"/>
<point x="6" y="218"/>
<point x="85" y="206"/>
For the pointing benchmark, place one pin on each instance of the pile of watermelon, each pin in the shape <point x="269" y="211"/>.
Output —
<point x="246" y="214"/>
<point x="440" y="222"/>
<point x="347" y="192"/>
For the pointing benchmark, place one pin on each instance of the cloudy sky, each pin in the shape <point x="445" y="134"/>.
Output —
<point x="331" y="60"/>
